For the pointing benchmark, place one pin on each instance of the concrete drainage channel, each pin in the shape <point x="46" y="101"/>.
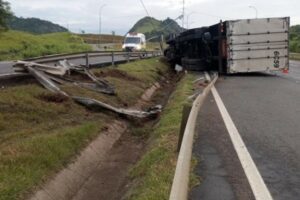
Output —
<point x="88" y="177"/>
<point x="101" y="170"/>
<point x="108" y="156"/>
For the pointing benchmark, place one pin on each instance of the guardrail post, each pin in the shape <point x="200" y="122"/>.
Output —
<point x="185" y="115"/>
<point x="87" y="64"/>
<point x="113" y="58"/>
<point x="128" y="56"/>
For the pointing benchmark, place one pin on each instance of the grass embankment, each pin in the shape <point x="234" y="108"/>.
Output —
<point x="295" y="56"/>
<point x="41" y="132"/>
<point x="153" y="175"/>
<point x="21" y="45"/>
<point x="104" y="39"/>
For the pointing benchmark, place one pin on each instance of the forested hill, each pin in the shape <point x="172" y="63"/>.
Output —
<point x="34" y="25"/>
<point x="152" y="27"/>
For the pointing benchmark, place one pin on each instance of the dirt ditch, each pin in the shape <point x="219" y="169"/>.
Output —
<point x="116" y="74"/>
<point x="101" y="170"/>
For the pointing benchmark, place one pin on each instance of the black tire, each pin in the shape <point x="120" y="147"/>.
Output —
<point x="194" y="64"/>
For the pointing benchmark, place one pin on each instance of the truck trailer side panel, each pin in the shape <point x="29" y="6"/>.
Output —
<point x="255" y="45"/>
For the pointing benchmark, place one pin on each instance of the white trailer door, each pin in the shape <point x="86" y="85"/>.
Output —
<point x="255" y="45"/>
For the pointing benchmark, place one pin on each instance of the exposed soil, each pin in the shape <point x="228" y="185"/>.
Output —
<point x="116" y="74"/>
<point x="101" y="171"/>
<point x="22" y="80"/>
<point x="53" y="97"/>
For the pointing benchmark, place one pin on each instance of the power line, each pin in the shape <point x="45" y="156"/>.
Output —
<point x="142" y="2"/>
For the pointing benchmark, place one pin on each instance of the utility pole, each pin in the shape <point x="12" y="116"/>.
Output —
<point x="183" y="13"/>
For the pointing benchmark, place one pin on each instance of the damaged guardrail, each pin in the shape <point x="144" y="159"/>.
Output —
<point x="180" y="184"/>
<point x="49" y="76"/>
<point x="86" y="59"/>
<point x="87" y="55"/>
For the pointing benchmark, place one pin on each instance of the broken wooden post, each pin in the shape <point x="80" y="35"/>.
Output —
<point x="185" y="115"/>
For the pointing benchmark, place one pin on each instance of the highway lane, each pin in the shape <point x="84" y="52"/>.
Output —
<point x="266" y="112"/>
<point x="294" y="71"/>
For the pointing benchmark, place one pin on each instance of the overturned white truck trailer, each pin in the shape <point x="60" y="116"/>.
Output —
<point x="257" y="45"/>
<point x="247" y="45"/>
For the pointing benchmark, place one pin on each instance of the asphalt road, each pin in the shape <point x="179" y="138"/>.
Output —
<point x="6" y="67"/>
<point x="266" y="112"/>
<point x="294" y="72"/>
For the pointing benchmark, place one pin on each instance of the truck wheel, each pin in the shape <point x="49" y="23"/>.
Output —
<point x="194" y="64"/>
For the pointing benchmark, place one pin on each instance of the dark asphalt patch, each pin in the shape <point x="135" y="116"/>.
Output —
<point x="222" y="176"/>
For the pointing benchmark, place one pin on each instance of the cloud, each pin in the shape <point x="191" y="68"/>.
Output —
<point x="120" y="15"/>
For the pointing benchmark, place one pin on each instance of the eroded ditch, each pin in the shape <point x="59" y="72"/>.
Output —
<point x="101" y="169"/>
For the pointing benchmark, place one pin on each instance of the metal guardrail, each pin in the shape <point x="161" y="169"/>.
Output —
<point x="56" y="57"/>
<point x="180" y="184"/>
<point x="128" y="56"/>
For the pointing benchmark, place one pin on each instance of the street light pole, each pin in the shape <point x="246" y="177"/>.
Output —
<point x="255" y="10"/>
<point x="100" y="22"/>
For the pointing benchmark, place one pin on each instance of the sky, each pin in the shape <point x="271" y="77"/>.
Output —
<point x="121" y="15"/>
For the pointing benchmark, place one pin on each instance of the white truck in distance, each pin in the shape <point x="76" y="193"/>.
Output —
<point x="134" y="42"/>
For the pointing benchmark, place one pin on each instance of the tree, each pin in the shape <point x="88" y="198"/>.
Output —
<point x="5" y="14"/>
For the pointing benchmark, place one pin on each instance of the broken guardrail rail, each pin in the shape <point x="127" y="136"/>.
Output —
<point x="128" y="56"/>
<point x="48" y="76"/>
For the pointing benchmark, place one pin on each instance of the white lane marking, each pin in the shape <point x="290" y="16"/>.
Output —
<point x="256" y="182"/>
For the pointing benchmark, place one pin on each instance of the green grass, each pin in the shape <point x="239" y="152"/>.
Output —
<point x="39" y="137"/>
<point x="152" y="46"/>
<point x="19" y="45"/>
<point x="146" y="71"/>
<point x="153" y="175"/>
<point x="104" y="38"/>
<point x="295" y="56"/>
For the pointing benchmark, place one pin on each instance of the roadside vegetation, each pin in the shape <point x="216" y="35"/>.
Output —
<point x="5" y="14"/>
<point x="153" y="175"/>
<point x="295" y="39"/>
<point x="41" y="132"/>
<point x="295" y="56"/>
<point x="20" y="45"/>
<point x="104" y="38"/>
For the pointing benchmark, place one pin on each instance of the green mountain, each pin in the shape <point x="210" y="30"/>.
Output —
<point x="152" y="27"/>
<point x="295" y="38"/>
<point x="34" y="25"/>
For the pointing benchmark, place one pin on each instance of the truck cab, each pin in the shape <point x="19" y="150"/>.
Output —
<point x="134" y="42"/>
